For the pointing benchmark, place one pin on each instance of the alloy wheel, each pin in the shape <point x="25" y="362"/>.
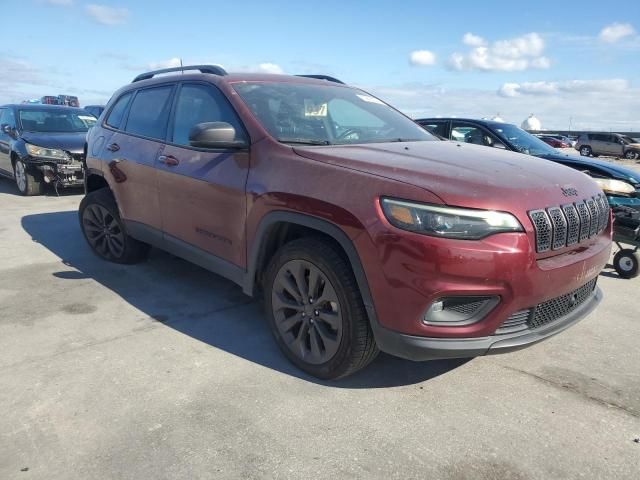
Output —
<point x="307" y="311"/>
<point x="103" y="231"/>
<point x="21" y="176"/>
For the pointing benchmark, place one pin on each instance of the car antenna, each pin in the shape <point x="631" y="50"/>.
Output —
<point x="181" y="67"/>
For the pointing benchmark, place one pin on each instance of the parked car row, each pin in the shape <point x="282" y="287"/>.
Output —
<point x="362" y="231"/>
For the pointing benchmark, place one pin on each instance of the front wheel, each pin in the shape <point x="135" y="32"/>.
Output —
<point x="585" y="151"/>
<point x="105" y="232"/>
<point x="626" y="263"/>
<point x="630" y="155"/>
<point x="28" y="185"/>
<point x="315" y="310"/>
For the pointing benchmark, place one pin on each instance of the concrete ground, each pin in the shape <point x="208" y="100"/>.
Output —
<point x="163" y="370"/>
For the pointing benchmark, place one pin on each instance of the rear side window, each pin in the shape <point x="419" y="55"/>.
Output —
<point x="149" y="112"/>
<point x="117" y="112"/>
<point x="198" y="104"/>
<point x="439" y="128"/>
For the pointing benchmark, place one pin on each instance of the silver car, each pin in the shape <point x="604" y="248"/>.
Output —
<point x="608" y="144"/>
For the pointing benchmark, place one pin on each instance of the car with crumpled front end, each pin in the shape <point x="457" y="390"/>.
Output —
<point x="43" y="144"/>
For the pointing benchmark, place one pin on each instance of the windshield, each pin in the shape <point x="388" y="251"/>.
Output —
<point x="55" y="121"/>
<point x="524" y="142"/>
<point x="628" y="140"/>
<point x="326" y="115"/>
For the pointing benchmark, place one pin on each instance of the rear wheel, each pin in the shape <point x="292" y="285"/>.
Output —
<point x="585" y="151"/>
<point x="315" y="310"/>
<point x="28" y="185"/>
<point x="626" y="263"/>
<point x="105" y="232"/>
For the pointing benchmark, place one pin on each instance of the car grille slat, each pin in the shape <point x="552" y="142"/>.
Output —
<point x="604" y="212"/>
<point x="570" y="224"/>
<point x="585" y="220"/>
<point x="543" y="229"/>
<point x="573" y="222"/>
<point x="559" y="224"/>
<point x="594" y="211"/>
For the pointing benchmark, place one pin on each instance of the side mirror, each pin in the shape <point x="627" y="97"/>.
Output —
<point x="499" y="145"/>
<point x="215" y="135"/>
<point x="6" y="128"/>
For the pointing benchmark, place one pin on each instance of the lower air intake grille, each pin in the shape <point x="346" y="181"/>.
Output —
<point x="558" y="307"/>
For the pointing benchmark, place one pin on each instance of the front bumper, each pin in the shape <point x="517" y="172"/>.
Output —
<point x="62" y="174"/>
<point x="417" y="348"/>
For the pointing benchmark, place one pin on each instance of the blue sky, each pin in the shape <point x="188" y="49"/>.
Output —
<point x="575" y="62"/>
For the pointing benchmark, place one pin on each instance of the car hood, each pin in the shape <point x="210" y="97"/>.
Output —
<point x="463" y="174"/>
<point x="71" y="142"/>
<point x="616" y="171"/>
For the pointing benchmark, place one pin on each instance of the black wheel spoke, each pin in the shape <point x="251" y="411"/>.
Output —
<point x="307" y="312"/>
<point x="103" y="231"/>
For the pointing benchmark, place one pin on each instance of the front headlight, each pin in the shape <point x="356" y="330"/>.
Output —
<point x="42" y="152"/>
<point x="616" y="187"/>
<point x="448" y="222"/>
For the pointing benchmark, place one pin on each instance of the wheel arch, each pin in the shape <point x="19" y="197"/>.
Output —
<point x="279" y="227"/>
<point x="94" y="180"/>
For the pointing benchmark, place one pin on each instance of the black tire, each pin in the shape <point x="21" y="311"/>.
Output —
<point x="585" y="151"/>
<point x="105" y="232"/>
<point x="352" y="345"/>
<point x="626" y="263"/>
<point x="631" y="155"/>
<point x="28" y="184"/>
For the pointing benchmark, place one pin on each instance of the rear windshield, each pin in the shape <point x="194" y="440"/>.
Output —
<point x="55" y="121"/>
<point x="326" y="114"/>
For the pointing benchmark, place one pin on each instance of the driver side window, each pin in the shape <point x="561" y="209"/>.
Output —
<point x="346" y="114"/>
<point x="467" y="133"/>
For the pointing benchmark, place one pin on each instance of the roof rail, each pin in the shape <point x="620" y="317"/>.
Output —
<point x="214" y="69"/>
<point x="323" y="77"/>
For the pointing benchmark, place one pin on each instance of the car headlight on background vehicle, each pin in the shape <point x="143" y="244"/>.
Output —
<point x="448" y="222"/>
<point x="616" y="187"/>
<point x="43" y="152"/>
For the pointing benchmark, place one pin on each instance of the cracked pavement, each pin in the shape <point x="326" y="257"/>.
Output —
<point x="163" y="370"/>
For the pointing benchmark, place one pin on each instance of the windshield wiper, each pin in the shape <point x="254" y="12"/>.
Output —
<point x="304" y="141"/>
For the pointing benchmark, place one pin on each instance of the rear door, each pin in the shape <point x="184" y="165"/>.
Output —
<point x="202" y="191"/>
<point x="139" y="120"/>
<point x="7" y="117"/>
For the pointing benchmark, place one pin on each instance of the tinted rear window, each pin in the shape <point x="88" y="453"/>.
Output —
<point x="149" y="112"/>
<point x="118" y="110"/>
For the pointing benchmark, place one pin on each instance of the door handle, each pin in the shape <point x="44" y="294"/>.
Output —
<point x="168" y="160"/>
<point x="114" y="147"/>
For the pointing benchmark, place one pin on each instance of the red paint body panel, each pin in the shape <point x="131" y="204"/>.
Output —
<point x="226" y="195"/>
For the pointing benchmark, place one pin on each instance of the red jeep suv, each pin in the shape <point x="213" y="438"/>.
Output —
<point x="361" y="230"/>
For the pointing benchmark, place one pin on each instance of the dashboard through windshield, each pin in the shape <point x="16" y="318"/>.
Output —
<point x="326" y="115"/>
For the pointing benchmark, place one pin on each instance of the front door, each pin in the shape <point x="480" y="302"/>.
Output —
<point x="202" y="192"/>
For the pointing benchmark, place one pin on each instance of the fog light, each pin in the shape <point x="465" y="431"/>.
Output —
<point x="455" y="311"/>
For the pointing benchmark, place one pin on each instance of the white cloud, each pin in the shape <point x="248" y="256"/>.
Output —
<point x="172" y="62"/>
<point x="516" y="54"/>
<point x="566" y="87"/>
<point x="269" y="68"/>
<point x="422" y="58"/>
<point x="473" y="40"/>
<point x="616" y="31"/>
<point x="107" y="15"/>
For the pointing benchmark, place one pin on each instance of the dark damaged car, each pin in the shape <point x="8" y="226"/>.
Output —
<point x="42" y="144"/>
